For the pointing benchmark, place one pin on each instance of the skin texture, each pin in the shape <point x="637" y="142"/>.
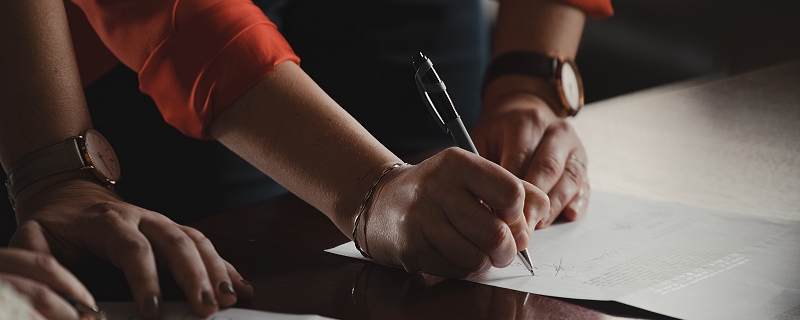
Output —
<point x="337" y="168"/>
<point x="517" y="128"/>
<point x="70" y="215"/>
<point x="430" y="217"/>
<point x="39" y="277"/>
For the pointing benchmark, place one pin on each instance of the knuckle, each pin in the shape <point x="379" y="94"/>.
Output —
<point x="497" y="238"/>
<point x="550" y="167"/>
<point x="42" y="297"/>
<point x="544" y="204"/>
<point x="563" y="127"/>
<point x="455" y="154"/>
<point x="573" y="173"/>
<point x="538" y="116"/>
<point x="135" y="245"/>
<point x="46" y="263"/>
<point x="107" y="214"/>
<point x="196" y="236"/>
<point x="178" y="240"/>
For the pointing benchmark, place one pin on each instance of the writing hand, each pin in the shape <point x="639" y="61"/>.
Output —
<point x="522" y="134"/>
<point x="39" y="276"/>
<point x="76" y="217"/>
<point x="433" y="217"/>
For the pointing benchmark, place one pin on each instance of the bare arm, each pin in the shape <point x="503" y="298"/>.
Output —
<point x="68" y="215"/>
<point x="424" y="218"/>
<point x="41" y="92"/>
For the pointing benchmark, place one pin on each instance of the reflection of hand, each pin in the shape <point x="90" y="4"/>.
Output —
<point x="76" y="217"/>
<point x="380" y="292"/>
<point x="432" y="218"/>
<point x="521" y="133"/>
<point x="38" y="277"/>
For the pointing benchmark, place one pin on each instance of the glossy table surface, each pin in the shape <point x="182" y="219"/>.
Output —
<point x="730" y="143"/>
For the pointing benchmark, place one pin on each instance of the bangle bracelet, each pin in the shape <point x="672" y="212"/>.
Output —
<point x="363" y="207"/>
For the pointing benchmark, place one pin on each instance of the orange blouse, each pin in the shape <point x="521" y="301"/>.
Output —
<point x="194" y="57"/>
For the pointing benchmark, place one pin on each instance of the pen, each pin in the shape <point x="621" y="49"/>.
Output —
<point x="434" y="94"/>
<point x="84" y="309"/>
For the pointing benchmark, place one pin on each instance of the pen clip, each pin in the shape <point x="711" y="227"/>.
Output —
<point x="432" y="87"/>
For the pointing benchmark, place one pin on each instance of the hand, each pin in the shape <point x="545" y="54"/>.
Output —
<point x="77" y="217"/>
<point x="521" y="133"/>
<point x="433" y="217"/>
<point x="40" y="277"/>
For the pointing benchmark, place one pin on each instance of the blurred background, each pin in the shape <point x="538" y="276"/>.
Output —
<point x="649" y="43"/>
<point x="653" y="42"/>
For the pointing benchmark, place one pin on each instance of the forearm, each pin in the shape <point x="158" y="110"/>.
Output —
<point x="41" y="93"/>
<point x="548" y="27"/>
<point x="290" y="129"/>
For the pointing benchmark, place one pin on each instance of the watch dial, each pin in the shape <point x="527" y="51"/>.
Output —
<point x="569" y="83"/>
<point x="101" y="155"/>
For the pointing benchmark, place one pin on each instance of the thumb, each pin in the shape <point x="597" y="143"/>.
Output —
<point x="536" y="207"/>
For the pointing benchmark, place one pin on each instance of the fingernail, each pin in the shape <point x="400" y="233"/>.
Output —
<point x="247" y="283"/>
<point x="208" y="299"/>
<point x="226" y="287"/>
<point x="152" y="307"/>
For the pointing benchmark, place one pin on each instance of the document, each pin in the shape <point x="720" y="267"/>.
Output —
<point x="182" y="311"/>
<point x="678" y="260"/>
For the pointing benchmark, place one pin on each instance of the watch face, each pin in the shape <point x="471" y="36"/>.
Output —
<point x="100" y="155"/>
<point x="571" y="86"/>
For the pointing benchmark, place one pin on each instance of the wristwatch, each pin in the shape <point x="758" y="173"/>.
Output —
<point x="561" y="73"/>
<point x="88" y="151"/>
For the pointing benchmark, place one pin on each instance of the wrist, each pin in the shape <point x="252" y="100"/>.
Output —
<point x="509" y="87"/>
<point x="83" y="178"/>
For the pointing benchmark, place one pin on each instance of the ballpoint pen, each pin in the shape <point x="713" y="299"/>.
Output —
<point x="83" y="309"/>
<point x="434" y="95"/>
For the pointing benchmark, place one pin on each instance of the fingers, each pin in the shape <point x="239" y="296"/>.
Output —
<point x="558" y="168"/>
<point x="44" y="269"/>
<point x="423" y="256"/>
<point x="185" y="261"/>
<point x="566" y="190"/>
<point x="519" y="145"/>
<point x="548" y="162"/>
<point x="244" y="289"/>
<point x="537" y="205"/>
<point x="43" y="299"/>
<point x="216" y="267"/>
<point x="130" y="250"/>
<point x="501" y="191"/>
<point x="577" y="207"/>
<point x="471" y="237"/>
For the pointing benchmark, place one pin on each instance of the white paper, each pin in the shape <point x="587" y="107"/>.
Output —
<point x="181" y="311"/>
<point x="677" y="260"/>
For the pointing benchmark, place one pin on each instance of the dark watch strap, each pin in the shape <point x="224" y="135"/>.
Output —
<point x="526" y="63"/>
<point x="61" y="157"/>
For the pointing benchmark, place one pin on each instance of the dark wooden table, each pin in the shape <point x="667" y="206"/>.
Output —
<point x="278" y="245"/>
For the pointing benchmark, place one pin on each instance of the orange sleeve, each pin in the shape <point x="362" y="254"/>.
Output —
<point x="194" y="66"/>
<point x="595" y="9"/>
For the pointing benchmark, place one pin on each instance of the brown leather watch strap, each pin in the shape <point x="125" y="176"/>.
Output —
<point x="525" y="63"/>
<point x="61" y="157"/>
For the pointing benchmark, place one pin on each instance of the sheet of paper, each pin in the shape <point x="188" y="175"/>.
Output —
<point x="682" y="261"/>
<point x="181" y="311"/>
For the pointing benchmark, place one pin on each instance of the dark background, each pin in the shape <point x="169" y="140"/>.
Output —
<point x="654" y="42"/>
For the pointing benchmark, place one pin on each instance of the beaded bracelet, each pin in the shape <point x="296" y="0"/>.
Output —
<point x="363" y="206"/>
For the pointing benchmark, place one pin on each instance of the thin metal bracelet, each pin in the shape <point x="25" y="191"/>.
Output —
<point x="363" y="207"/>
